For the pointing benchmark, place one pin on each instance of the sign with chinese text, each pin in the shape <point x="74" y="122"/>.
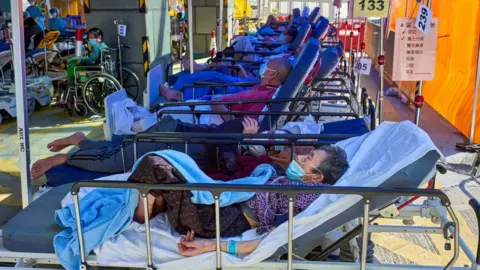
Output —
<point x="414" y="53"/>
<point x="371" y="8"/>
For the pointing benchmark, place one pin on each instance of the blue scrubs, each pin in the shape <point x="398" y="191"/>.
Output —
<point x="35" y="12"/>
<point x="208" y="76"/>
<point x="57" y="24"/>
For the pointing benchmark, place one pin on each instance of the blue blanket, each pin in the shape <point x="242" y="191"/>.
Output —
<point x="193" y="175"/>
<point x="104" y="214"/>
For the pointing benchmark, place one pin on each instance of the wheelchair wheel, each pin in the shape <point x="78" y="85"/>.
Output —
<point x="131" y="84"/>
<point x="80" y="110"/>
<point x="95" y="90"/>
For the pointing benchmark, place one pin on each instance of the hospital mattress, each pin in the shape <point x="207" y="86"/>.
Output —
<point x="33" y="229"/>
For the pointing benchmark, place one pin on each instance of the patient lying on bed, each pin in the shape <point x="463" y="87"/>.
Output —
<point x="103" y="156"/>
<point x="323" y="166"/>
<point x="276" y="73"/>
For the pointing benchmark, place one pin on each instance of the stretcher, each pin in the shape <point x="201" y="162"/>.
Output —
<point x="29" y="243"/>
<point x="40" y="88"/>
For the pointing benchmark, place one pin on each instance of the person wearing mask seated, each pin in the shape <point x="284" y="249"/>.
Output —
<point x="263" y="211"/>
<point x="270" y="27"/>
<point x="56" y="22"/>
<point x="296" y="16"/>
<point x="273" y="75"/>
<point x="91" y="57"/>
<point x="35" y="12"/>
<point x="33" y="34"/>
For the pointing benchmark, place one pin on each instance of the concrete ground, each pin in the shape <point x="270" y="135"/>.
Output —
<point x="48" y="124"/>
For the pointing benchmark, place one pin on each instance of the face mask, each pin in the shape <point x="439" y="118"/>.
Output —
<point x="294" y="172"/>
<point x="282" y="38"/>
<point x="262" y="69"/>
<point x="92" y="42"/>
<point x="54" y="15"/>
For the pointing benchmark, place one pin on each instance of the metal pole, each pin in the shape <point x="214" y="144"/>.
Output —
<point x="259" y="13"/>
<point x="220" y="26"/>
<point x="76" y="204"/>
<point x="475" y="97"/>
<point x="217" y="232"/>
<point x="290" y="232"/>
<point x="21" y="98"/>
<point x="147" y="231"/>
<point x="245" y="24"/>
<point x="420" y="87"/>
<point x="366" y="211"/>
<point x="190" y="34"/>
<point x="381" y="62"/>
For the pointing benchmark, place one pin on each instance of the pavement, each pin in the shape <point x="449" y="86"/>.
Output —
<point x="48" y="124"/>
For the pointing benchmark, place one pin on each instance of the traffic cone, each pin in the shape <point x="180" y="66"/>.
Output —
<point x="213" y="45"/>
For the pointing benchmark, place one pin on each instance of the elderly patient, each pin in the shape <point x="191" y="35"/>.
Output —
<point x="276" y="74"/>
<point x="323" y="166"/>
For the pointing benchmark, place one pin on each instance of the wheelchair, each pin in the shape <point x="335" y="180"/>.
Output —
<point x="91" y="84"/>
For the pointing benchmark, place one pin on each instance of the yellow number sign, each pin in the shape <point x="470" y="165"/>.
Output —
<point x="370" y="8"/>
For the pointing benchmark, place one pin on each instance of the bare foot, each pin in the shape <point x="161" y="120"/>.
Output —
<point x="60" y="144"/>
<point x="170" y="94"/>
<point x="41" y="166"/>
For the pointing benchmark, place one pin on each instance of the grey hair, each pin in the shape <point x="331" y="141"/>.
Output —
<point x="335" y="165"/>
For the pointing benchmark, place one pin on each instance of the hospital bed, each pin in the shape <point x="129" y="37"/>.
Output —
<point x="27" y="243"/>
<point x="39" y="88"/>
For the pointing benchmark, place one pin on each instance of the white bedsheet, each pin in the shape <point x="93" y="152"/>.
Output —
<point x="373" y="158"/>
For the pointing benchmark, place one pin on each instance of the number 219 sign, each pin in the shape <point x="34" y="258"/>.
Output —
<point x="371" y="8"/>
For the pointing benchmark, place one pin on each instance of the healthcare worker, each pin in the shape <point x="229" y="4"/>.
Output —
<point x="56" y="22"/>
<point x="36" y="13"/>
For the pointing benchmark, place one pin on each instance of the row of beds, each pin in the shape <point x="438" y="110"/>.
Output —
<point x="28" y="237"/>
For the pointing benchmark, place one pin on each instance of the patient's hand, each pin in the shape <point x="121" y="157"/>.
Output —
<point x="250" y="125"/>
<point x="189" y="247"/>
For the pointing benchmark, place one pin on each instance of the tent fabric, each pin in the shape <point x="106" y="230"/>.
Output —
<point x="451" y="92"/>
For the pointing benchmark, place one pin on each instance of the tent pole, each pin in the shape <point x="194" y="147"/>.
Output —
<point x="475" y="98"/>
<point x="190" y="34"/>
<point x="381" y="62"/>
<point x="220" y="26"/>
<point x="420" y="88"/>
<point x="21" y="98"/>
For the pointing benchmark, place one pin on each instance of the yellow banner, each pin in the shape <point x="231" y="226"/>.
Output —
<point x="371" y="8"/>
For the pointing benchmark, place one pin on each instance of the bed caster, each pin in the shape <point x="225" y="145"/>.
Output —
<point x="435" y="220"/>
<point x="83" y="267"/>
<point x="31" y="106"/>
<point x="408" y="222"/>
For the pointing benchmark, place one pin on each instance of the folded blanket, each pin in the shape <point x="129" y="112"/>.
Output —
<point x="193" y="175"/>
<point x="104" y="213"/>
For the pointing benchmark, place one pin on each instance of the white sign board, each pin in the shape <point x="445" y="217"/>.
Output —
<point x="414" y="53"/>
<point x="122" y="30"/>
<point x="363" y="66"/>
<point x="424" y="19"/>
<point x="371" y="8"/>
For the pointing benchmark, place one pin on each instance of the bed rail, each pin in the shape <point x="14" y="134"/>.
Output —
<point x="367" y="193"/>
<point x="228" y="139"/>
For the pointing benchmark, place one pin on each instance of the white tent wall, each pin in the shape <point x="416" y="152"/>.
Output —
<point x="284" y="7"/>
<point x="204" y="23"/>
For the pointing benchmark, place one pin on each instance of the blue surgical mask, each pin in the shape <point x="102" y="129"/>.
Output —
<point x="295" y="172"/>
<point x="262" y="69"/>
<point x="282" y="38"/>
<point x="92" y="42"/>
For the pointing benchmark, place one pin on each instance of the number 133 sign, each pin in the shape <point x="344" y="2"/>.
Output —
<point x="370" y="8"/>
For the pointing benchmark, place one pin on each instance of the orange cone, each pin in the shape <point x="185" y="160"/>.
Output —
<point x="213" y="45"/>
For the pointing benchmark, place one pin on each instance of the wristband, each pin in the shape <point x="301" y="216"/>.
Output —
<point x="232" y="247"/>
